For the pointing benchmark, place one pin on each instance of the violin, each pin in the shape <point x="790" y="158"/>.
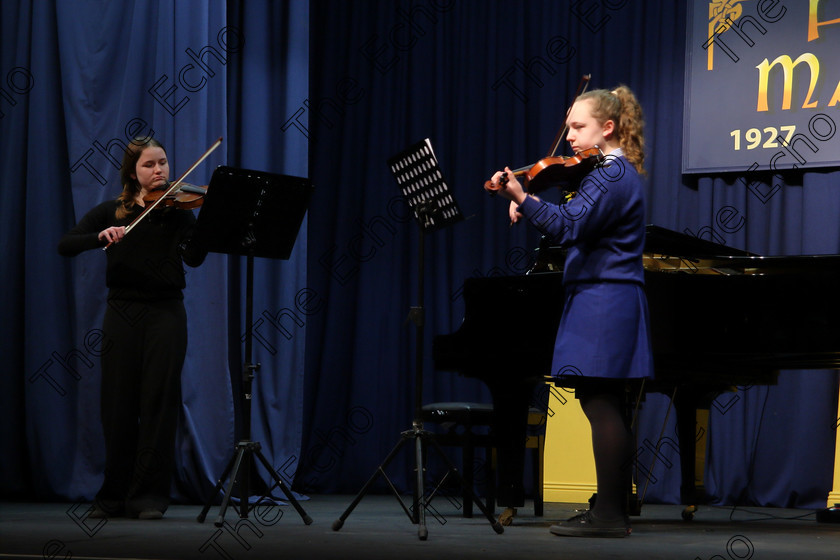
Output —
<point x="553" y="171"/>
<point x="185" y="196"/>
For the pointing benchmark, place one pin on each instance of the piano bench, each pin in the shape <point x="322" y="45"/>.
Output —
<point x="460" y="420"/>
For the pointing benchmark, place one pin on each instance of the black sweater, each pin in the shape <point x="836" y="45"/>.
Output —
<point x="148" y="262"/>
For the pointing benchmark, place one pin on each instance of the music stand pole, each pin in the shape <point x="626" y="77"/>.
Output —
<point x="434" y="207"/>
<point x="417" y="315"/>
<point x="239" y="467"/>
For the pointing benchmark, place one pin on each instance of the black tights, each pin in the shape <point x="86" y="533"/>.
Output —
<point x="612" y="443"/>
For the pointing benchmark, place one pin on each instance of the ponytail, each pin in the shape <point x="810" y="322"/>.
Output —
<point x="621" y="106"/>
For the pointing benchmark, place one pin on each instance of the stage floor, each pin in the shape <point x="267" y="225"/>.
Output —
<point x="379" y="529"/>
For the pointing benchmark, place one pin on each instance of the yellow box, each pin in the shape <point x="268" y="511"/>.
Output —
<point x="569" y="463"/>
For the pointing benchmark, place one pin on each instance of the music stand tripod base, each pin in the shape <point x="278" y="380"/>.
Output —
<point x="421" y="439"/>
<point x="244" y="450"/>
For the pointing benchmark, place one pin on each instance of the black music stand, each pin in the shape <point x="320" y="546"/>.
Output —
<point x="419" y="176"/>
<point x="255" y="214"/>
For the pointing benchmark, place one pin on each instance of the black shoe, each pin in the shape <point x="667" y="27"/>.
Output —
<point x="105" y="512"/>
<point x="587" y="525"/>
<point x="98" y="513"/>
<point x="150" y="514"/>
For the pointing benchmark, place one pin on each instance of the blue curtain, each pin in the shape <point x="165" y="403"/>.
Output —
<point x="488" y="83"/>
<point x="81" y="87"/>
<point x="330" y="90"/>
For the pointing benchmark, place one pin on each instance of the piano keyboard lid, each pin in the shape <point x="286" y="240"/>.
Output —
<point x="671" y="251"/>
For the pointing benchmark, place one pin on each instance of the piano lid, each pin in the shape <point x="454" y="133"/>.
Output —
<point x="665" y="251"/>
<point x="661" y="241"/>
<point x="670" y="251"/>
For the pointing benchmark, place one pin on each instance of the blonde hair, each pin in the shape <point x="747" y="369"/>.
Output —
<point x="621" y="106"/>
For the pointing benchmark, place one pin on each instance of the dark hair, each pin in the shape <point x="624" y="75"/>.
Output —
<point x="128" y="168"/>
<point x="621" y="107"/>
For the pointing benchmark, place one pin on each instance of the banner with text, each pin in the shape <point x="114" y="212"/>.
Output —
<point x="762" y="85"/>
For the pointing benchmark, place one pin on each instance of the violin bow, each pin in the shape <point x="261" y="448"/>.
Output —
<point x="581" y="89"/>
<point x="172" y="188"/>
<point x="582" y="85"/>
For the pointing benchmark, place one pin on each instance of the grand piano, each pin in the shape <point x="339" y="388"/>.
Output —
<point x="720" y="317"/>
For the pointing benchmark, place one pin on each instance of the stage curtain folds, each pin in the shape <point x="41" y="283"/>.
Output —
<point x="187" y="73"/>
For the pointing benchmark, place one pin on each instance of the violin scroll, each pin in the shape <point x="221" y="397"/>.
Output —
<point x="493" y="188"/>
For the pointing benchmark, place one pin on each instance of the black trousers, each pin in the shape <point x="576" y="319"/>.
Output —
<point x="145" y="346"/>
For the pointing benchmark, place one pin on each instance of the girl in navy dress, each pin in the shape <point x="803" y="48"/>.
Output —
<point x="603" y="338"/>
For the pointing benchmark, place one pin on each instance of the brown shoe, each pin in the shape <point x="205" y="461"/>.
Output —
<point x="506" y="517"/>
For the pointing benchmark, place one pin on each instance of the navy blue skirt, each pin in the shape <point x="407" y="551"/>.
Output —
<point x="604" y="332"/>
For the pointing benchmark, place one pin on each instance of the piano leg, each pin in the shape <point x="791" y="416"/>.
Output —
<point x="510" y="424"/>
<point x="686" y="404"/>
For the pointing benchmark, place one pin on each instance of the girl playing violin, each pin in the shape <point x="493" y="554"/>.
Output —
<point x="603" y="338"/>
<point x="145" y="328"/>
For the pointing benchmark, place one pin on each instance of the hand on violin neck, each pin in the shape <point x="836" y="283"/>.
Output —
<point x="509" y="186"/>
